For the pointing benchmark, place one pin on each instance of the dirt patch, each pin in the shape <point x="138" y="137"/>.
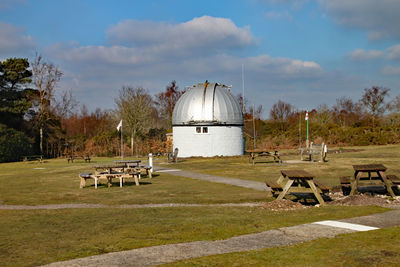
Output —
<point x="283" y="205"/>
<point x="337" y="199"/>
<point x="362" y="200"/>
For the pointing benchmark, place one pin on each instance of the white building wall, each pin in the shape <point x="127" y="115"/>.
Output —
<point x="219" y="141"/>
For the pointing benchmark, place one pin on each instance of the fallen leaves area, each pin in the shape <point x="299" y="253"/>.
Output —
<point x="337" y="199"/>
<point x="363" y="200"/>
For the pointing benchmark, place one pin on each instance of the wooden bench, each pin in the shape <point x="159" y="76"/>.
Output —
<point x="345" y="184"/>
<point x="324" y="188"/>
<point x="85" y="158"/>
<point x="395" y="182"/>
<point x="316" y="152"/>
<point x="147" y="169"/>
<point x="276" y="188"/>
<point x="108" y="177"/>
<point x="255" y="153"/>
<point x="394" y="179"/>
<point x="39" y="158"/>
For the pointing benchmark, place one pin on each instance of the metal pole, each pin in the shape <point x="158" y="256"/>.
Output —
<point x="243" y="108"/>
<point x="308" y="142"/>
<point x="300" y="130"/>
<point x="254" y="126"/>
<point x="122" y="145"/>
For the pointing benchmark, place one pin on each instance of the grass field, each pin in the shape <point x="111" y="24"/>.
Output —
<point x="33" y="237"/>
<point x="339" y="164"/>
<point x="43" y="236"/>
<point x="356" y="249"/>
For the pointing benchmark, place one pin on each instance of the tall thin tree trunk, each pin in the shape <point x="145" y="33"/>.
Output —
<point x="41" y="140"/>
<point x="132" y="144"/>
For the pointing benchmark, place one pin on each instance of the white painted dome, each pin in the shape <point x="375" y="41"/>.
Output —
<point x="207" y="104"/>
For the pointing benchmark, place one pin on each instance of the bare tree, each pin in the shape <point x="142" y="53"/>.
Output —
<point x="45" y="78"/>
<point x="374" y="101"/>
<point x="324" y="114"/>
<point x="281" y="112"/>
<point x="346" y="112"/>
<point x="166" y="101"/>
<point x="394" y="105"/>
<point x="65" y="105"/>
<point x="135" y="106"/>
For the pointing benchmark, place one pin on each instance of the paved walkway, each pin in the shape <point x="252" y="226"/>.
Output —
<point x="150" y="256"/>
<point x="216" y="179"/>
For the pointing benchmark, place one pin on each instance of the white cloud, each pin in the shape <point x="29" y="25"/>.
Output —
<point x="394" y="52"/>
<point x="199" y="35"/>
<point x="13" y="40"/>
<point x="379" y="18"/>
<point x="391" y="70"/>
<point x="152" y="60"/>
<point x="363" y="55"/>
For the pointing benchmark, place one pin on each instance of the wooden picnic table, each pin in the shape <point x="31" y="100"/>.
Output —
<point x="369" y="170"/>
<point x="136" y="164"/>
<point x="115" y="171"/>
<point x="71" y="158"/>
<point x="254" y="153"/>
<point x="128" y="163"/>
<point x="301" y="182"/>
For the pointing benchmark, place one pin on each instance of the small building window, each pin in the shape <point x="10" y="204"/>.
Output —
<point x="205" y="129"/>
<point x="198" y="129"/>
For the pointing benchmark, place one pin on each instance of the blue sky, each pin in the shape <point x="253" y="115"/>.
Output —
<point x="306" y="52"/>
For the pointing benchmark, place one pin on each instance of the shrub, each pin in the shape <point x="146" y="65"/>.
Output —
<point x="13" y="144"/>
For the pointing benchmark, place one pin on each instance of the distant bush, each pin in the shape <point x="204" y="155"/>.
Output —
<point x="330" y="133"/>
<point x="13" y="144"/>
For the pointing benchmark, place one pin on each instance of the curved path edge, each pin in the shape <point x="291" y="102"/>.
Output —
<point x="150" y="256"/>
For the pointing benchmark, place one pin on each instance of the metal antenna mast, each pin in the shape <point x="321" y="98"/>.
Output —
<point x="243" y="108"/>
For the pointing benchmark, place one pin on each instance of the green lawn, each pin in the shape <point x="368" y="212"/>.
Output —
<point x="33" y="237"/>
<point x="58" y="182"/>
<point x="37" y="237"/>
<point x="374" y="248"/>
<point x="329" y="172"/>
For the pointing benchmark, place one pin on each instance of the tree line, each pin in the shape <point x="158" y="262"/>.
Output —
<point x="373" y="119"/>
<point x="37" y="119"/>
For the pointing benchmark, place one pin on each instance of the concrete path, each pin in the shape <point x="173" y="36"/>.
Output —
<point x="125" y="206"/>
<point x="150" y="256"/>
<point x="216" y="179"/>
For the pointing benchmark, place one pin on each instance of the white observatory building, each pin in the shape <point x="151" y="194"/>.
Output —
<point x="207" y="121"/>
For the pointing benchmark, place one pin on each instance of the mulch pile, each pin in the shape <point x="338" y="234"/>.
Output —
<point x="360" y="200"/>
<point x="338" y="199"/>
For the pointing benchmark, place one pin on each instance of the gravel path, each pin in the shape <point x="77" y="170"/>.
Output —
<point x="150" y="256"/>
<point x="216" y="179"/>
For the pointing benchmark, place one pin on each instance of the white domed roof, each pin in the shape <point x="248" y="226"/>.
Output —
<point x="207" y="104"/>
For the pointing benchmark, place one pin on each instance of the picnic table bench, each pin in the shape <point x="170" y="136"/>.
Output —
<point x="71" y="158"/>
<point x="371" y="174"/>
<point x="110" y="171"/>
<point x="255" y="153"/>
<point x="136" y="164"/>
<point x="32" y="158"/>
<point x="297" y="182"/>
